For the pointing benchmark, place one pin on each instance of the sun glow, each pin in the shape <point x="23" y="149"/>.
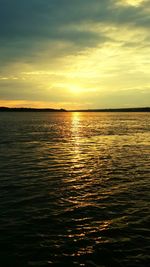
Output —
<point x="75" y="89"/>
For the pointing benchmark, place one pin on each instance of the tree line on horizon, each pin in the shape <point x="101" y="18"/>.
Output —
<point x="22" y="109"/>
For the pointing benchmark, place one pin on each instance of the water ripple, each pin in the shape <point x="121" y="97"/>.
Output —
<point x="75" y="189"/>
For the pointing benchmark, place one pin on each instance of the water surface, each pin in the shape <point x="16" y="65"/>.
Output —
<point x="74" y="189"/>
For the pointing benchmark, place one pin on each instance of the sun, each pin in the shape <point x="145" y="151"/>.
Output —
<point x="75" y="89"/>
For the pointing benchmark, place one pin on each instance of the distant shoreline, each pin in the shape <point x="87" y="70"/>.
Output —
<point x="7" y="109"/>
<point x="143" y="109"/>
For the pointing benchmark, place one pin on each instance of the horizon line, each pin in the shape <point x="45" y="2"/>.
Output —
<point x="134" y="109"/>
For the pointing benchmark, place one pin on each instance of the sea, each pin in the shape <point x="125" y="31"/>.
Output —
<point x="74" y="189"/>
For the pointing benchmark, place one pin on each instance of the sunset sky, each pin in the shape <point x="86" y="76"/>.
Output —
<point x="75" y="53"/>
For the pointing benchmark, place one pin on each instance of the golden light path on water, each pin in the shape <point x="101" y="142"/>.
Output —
<point x="81" y="197"/>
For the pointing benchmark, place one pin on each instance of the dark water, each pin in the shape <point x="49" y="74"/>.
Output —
<point x="74" y="189"/>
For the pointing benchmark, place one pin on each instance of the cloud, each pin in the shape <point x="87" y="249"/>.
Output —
<point x="50" y="47"/>
<point x="25" y="26"/>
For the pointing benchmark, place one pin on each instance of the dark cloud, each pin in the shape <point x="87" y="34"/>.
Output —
<point x="34" y="18"/>
<point x="45" y="17"/>
<point x="26" y="25"/>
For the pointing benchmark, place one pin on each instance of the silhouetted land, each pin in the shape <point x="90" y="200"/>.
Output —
<point x="7" y="109"/>
<point x="31" y="109"/>
<point x="144" y="109"/>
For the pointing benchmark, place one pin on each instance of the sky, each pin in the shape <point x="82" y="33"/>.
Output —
<point x="75" y="54"/>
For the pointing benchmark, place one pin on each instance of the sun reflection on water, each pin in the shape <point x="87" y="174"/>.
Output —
<point x="82" y="187"/>
<point x="75" y="124"/>
<point x="76" y="140"/>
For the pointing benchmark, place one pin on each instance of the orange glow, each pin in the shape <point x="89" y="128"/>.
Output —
<point x="28" y="104"/>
